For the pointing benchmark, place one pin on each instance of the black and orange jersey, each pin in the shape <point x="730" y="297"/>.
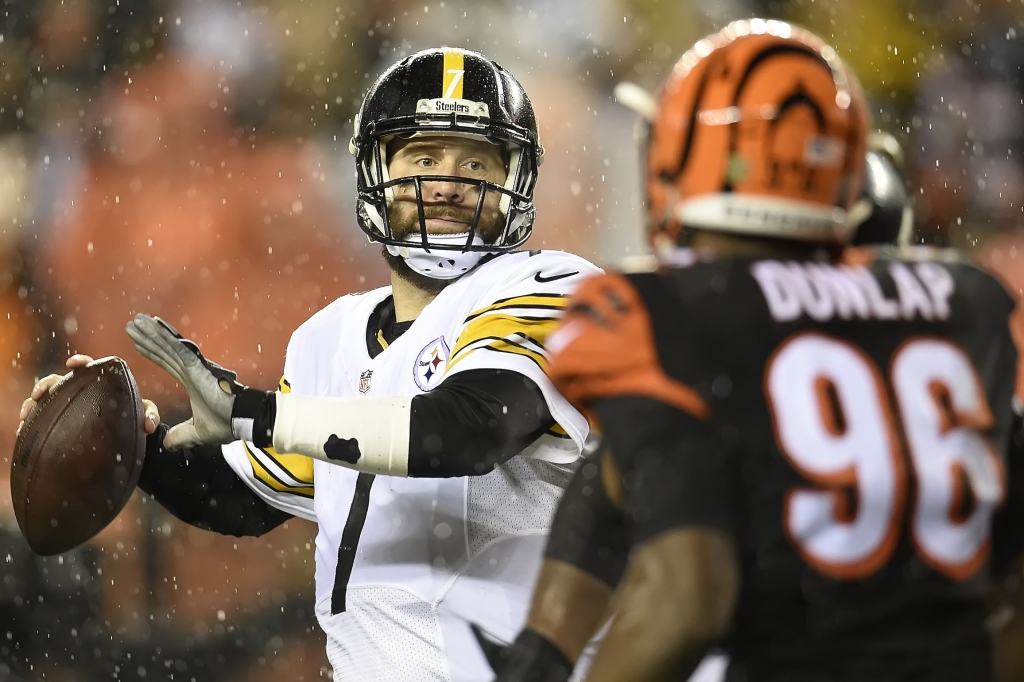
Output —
<point x="846" y="424"/>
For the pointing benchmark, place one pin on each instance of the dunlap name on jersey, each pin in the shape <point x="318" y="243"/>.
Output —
<point x="822" y="291"/>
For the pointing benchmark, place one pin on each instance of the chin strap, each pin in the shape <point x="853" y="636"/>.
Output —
<point x="437" y="263"/>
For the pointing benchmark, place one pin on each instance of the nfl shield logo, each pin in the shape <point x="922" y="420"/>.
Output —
<point x="364" y="381"/>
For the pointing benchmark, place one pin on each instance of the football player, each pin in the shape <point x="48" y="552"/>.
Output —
<point x="414" y="423"/>
<point x="884" y="214"/>
<point x="806" y="446"/>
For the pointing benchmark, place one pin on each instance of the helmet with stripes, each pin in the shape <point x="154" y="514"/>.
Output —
<point x="447" y="92"/>
<point x="759" y="130"/>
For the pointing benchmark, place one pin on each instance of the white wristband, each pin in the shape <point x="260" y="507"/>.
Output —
<point x="366" y="434"/>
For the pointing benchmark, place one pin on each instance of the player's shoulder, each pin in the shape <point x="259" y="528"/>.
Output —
<point x="524" y="272"/>
<point x="954" y="260"/>
<point x="612" y="340"/>
<point x="692" y="284"/>
<point x="737" y="289"/>
<point x="679" y="280"/>
<point x="339" y="314"/>
<point x="971" y="284"/>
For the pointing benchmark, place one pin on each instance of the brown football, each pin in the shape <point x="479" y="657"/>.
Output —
<point x="78" y="457"/>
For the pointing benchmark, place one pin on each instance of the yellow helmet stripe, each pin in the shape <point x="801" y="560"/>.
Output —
<point x="454" y="70"/>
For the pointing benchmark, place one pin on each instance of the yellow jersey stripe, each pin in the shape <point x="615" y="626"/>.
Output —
<point x="501" y="325"/>
<point x="542" y="302"/>
<point x="299" y="467"/>
<point x="504" y="346"/>
<point x="454" y="72"/>
<point x="545" y="297"/>
<point x="272" y="481"/>
<point x="381" y="340"/>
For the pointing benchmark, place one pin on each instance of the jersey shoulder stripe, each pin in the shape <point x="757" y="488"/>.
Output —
<point x="282" y="472"/>
<point x="268" y="468"/>
<point x="516" y="314"/>
<point x="508" y="346"/>
<point x="500" y="331"/>
<point x="530" y="302"/>
<point x="514" y="303"/>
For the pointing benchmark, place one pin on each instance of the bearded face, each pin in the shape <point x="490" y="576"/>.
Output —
<point x="446" y="219"/>
<point x="449" y="206"/>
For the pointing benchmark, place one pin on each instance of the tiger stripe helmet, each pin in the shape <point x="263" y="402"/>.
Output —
<point x="759" y="130"/>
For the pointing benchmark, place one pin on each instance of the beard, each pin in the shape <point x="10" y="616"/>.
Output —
<point x="405" y="220"/>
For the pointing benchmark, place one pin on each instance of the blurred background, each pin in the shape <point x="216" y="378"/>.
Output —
<point x="188" y="158"/>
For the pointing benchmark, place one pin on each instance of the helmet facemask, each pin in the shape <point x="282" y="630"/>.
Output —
<point x="451" y="93"/>
<point x="444" y="256"/>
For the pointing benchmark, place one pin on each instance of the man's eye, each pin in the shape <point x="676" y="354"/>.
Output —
<point x="425" y="162"/>
<point x="475" y="166"/>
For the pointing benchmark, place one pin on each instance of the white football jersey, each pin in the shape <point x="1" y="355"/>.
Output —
<point x="408" y="563"/>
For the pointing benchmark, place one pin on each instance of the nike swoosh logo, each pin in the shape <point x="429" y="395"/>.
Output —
<point x="553" y="278"/>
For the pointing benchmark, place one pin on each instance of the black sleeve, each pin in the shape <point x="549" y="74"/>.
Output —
<point x="1008" y="522"/>
<point x="474" y="421"/>
<point x="588" y="530"/>
<point x="198" y="486"/>
<point x="674" y="468"/>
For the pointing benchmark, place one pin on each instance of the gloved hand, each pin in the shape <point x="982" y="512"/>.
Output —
<point x="223" y="410"/>
<point x="531" y="658"/>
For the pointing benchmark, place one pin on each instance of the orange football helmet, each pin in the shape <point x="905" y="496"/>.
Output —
<point x="759" y="130"/>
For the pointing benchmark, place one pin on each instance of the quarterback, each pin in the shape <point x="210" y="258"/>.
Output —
<point x="414" y="423"/>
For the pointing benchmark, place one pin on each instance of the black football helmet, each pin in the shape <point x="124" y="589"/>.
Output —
<point x="884" y="214"/>
<point x="447" y="91"/>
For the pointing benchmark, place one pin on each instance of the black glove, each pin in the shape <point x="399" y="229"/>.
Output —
<point x="531" y="658"/>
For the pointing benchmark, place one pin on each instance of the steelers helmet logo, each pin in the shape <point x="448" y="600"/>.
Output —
<point x="430" y="364"/>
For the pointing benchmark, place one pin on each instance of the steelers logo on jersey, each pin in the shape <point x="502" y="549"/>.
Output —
<point x="431" y="363"/>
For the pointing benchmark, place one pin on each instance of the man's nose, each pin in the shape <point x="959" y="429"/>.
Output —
<point x="447" y="191"/>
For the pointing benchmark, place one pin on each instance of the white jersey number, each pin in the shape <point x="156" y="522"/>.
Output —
<point x="834" y="422"/>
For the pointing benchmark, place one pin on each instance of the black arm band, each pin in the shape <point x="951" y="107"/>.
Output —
<point x="474" y="421"/>
<point x="589" y="531"/>
<point x="261" y="408"/>
<point x="198" y="486"/>
<point x="534" y="658"/>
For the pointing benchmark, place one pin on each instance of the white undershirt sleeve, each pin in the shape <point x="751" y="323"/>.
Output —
<point x="324" y="428"/>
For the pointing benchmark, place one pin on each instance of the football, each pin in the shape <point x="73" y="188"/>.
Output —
<point x="78" y="457"/>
